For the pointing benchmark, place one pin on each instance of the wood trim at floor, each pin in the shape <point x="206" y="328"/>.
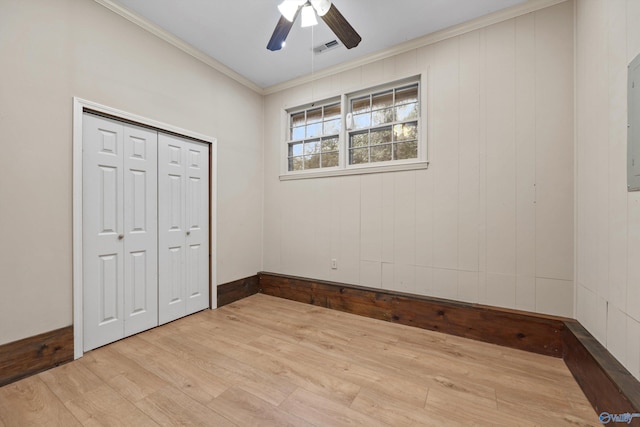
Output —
<point x="608" y="385"/>
<point x="28" y="356"/>
<point x="605" y="382"/>
<point x="516" y="329"/>
<point x="236" y="290"/>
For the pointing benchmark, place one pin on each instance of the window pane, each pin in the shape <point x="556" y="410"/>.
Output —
<point x="295" y="149"/>
<point x="330" y="144"/>
<point x="314" y="130"/>
<point x="296" y="164"/>
<point x="332" y="112"/>
<point x="382" y="116"/>
<point x="405" y="131"/>
<point x="361" y="120"/>
<point x="314" y="116"/>
<point x="380" y="136"/>
<point x="329" y="160"/>
<point x="407" y="112"/>
<point x="312" y="161"/>
<point x="297" y="119"/>
<point x="407" y="95"/>
<point x="358" y="155"/>
<point x="381" y="153"/>
<point x="297" y="133"/>
<point x="331" y="127"/>
<point x="405" y="150"/>
<point x="382" y="100"/>
<point x="360" y="105"/>
<point x="359" y="140"/>
<point x="312" y="147"/>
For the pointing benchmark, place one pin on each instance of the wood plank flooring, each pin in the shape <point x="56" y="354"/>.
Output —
<point x="268" y="361"/>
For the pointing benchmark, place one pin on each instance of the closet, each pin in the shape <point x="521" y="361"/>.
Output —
<point x="145" y="234"/>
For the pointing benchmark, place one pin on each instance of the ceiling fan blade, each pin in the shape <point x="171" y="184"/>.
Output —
<point x="280" y="34"/>
<point x="341" y="28"/>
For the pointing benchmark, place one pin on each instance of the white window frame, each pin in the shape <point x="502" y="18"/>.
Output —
<point x="289" y="140"/>
<point x="344" y="168"/>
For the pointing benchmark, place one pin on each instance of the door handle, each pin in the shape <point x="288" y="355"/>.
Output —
<point x="120" y="236"/>
<point x="188" y="233"/>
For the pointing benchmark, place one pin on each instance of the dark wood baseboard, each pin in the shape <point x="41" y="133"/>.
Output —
<point x="28" y="356"/>
<point x="511" y="328"/>
<point x="608" y="385"/>
<point x="236" y="290"/>
<point x="604" y="381"/>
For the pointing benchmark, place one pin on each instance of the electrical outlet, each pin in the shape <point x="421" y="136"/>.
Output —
<point x="334" y="264"/>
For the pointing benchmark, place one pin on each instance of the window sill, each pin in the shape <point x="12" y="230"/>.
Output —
<point x="356" y="171"/>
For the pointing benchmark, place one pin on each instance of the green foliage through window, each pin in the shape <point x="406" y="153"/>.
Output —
<point x="314" y="136"/>
<point x="385" y="126"/>
<point x="381" y="125"/>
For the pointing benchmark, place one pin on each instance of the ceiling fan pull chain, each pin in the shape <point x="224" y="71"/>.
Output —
<point x="313" y="82"/>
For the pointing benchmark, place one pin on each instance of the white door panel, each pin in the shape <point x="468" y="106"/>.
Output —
<point x="140" y="225"/>
<point x="197" y="236"/>
<point x="103" y="226"/>
<point x="183" y="216"/>
<point x="171" y="229"/>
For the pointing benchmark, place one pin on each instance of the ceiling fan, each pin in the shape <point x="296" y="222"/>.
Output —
<point x="290" y="9"/>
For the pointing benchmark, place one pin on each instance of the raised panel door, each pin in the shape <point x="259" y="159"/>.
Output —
<point x="171" y="228"/>
<point x="103" y="227"/>
<point x="140" y="229"/>
<point x="183" y="215"/>
<point x="197" y="226"/>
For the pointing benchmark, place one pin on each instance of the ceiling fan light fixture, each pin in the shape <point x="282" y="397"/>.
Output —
<point x="310" y="8"/>
<point x="308" y="16"/>
<point x="288" y="9"/>
<point x="321" y="6"/>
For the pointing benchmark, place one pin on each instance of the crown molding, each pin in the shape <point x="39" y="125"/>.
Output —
<point x="179" y="43"/>
<point x="456" y="30"/>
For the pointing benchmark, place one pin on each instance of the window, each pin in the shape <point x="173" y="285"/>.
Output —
<point x="373" y="130"/>
<point x="314" y="138"/>
<point x="384" y="126"/>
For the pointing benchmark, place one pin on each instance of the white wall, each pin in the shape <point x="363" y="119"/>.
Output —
<point x="52" y="50"/>
<point x="608" y="218"/>
<point x="491" y="220"/>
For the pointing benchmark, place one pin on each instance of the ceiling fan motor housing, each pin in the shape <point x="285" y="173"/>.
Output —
<point x="290" y="9"/>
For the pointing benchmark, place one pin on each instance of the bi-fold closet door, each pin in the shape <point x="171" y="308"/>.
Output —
<point x="183" y="227"/>
<point x="141" y="190"/>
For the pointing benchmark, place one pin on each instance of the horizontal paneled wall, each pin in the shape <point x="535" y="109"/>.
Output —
<point x="491" y="220"/>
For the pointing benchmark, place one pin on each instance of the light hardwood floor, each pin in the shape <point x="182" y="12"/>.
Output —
<point x="269" y="361"/>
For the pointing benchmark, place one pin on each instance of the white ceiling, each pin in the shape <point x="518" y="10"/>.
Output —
<point x="236" y="32"/>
